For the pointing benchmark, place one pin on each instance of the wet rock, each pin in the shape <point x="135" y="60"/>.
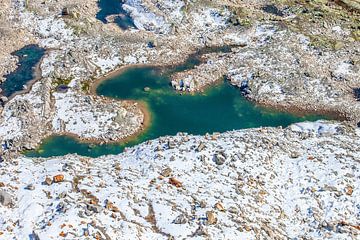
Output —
<point x="244" y="88"/>
<point x="5" y="199"/>
<point x="181" y="219"/>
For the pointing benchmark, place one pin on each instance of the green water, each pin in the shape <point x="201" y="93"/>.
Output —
<point x="111" y="7"/>
<point x="219" y="109"/>
<point x="29" y="56"/>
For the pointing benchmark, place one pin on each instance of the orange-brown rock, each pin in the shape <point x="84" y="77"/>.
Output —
<point x="175" y="182"/>
<point x="58" y="178"/>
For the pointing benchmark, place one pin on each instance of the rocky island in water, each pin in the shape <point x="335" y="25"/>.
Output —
<point x="179" y="119"/>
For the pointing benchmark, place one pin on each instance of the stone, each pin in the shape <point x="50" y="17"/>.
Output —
<point x="219" y="158"/>
<point x="201" y="231"/>
<point x="175" y="182"/>
<point x="166" y="172"/>
<point x="62" y="234"/>
<point x="35" y="236"/>
<point x="30" y="187"/>
<point x="295" y="154"/>
<point x="211" y="217"/>
<point x="5" y="199"/>
<point x="181" y="219"/>
<point x="48" y="181"/>
<point x="110" y="206"/>
<point x="94" y="208"/>
<point x="233" y="210"/>
<point x="65" y="11"/>
<point x="219" y="206"/>
<point x="117" y="166"/>
<point x="200" y="147"/>
<point x="58" y="178"/>
<point x="349" y="190"/>
<point x="171" y="144"/>
<point x="4" y="99"/>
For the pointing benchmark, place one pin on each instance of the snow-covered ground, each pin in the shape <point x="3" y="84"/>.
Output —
<point x="269" y="183"/>
<point x="93" y="117"/>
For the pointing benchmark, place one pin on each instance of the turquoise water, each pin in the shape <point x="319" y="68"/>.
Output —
<point x="218" y="109"/>
<point x="111" y="7"/>
<point x="29" y="57"/>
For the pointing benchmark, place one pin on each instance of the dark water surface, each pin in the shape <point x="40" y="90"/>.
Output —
<point x="29" y="57"/>
<point x="218" y="109"/>
<point x="111" y="7"/>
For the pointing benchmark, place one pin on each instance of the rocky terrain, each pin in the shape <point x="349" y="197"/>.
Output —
<point x="300" y="57"/>
<point x="300" y="182"/>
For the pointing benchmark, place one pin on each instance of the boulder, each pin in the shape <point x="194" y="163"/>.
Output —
<point x="5" y="199"/>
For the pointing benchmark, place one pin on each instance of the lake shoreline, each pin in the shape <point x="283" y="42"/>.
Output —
<point x="37" y="75"/>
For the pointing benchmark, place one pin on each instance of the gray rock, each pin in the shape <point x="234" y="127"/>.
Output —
<point x="34" y="236"/>
<point x="166" y="172"/>
<point x="5" y="198"/>
<point x="94" y="208"/>
<point x="201" y="231"/>
<point x="219" y="158"/>
<point x="30" y="187"/>
<point x="4" y="99"/>
<point x="295" y="154"/>
<point x="171" y="144"/>
<point x="200" y="147"/>
<point x="181" y="219"/>
<point x="233" y="210"/>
